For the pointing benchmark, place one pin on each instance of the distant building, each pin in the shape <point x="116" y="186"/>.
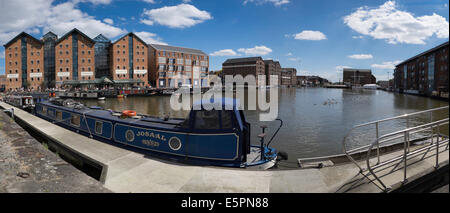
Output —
<point x="311" y="81"/>
<point x="172" y="67"/>
<point x="288" y="76"/>
<point x="358" y="77"/>
<point x="245" y="66"/>
<point x="383" y="84"/>
<point x="272" y="68"/>
<point x="425" y="73"/>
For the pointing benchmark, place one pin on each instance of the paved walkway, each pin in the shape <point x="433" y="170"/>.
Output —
<point x="27" y="167"/>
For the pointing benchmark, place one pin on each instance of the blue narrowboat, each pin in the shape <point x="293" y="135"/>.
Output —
<point x="205" y="137"/>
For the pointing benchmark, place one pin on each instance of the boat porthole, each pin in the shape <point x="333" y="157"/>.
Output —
<point x="175" y="143"/>
<point x="129" y="134"/>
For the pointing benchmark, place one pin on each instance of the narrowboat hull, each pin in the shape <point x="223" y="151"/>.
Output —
<point x="164" y="140"/>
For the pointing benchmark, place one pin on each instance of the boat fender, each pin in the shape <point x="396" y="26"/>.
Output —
<point x="282" y="156"/>
<point x="129" y="113"/>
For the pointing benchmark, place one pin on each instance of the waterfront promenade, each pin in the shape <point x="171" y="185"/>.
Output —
<point x="127" y="171"/>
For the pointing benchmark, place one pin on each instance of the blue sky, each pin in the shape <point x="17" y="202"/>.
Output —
<point x="316" y="37"/>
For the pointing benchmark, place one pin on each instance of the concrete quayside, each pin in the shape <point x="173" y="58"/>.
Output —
<point x="123" y="170"/>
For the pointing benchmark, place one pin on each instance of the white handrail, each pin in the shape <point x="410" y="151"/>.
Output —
<point x="377" y="123"/>
<point x="406" y="154"/>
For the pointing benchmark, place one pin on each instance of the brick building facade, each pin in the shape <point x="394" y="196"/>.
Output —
<point x="24" y="62"/>
<point x="425" y="74"/>
<point x="75" y="57"/>
<point x="246" y="66"/>
<point x="172" y="67"/>
<point x="129" y="62"/>
<point x="358" y="77"/>
<point x="288" y="76"/>
<point x="72" y="59"/>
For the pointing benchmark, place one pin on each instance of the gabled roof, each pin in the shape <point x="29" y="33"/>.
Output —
<point x="101" y="38"/>
<point x="160" y="47"/>
<point x="240" y="60"/>
<point x="75" y="30"/>
<point x="131" y="33"/>
<point x="22" y="34"/>
<point x="49" y="34"/>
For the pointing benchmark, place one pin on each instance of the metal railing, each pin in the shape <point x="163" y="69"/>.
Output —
<point x="365" y="148"/>
<point x="407" y="153"/>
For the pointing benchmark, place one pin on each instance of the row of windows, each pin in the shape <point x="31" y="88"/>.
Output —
<point x="138" y="75"/>
<point x="31" y="53"/>
<point x="137" y="60"/>
<point x="75" y="120"/>
<point x="137" y="68"/>
<point x="82" y="69"/>
<point x="182" y="55"/>
<point x="137" y="47"/>
<point x="67" y="46"/>
<point x="32" y="70"/>
<point x="124" y="52"/>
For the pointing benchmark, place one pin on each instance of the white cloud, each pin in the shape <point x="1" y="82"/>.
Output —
<point x="64" y="17"/>
<point x="358" y="37"/>
<point x="274" y="2"/>
<point x="310" y="35"/>
<point x="42" y="16"/>
<point x="395" y="26"/>
<point x="361" y="56"/>
<point x="225" y="52"/>
<point x="149" y="1"/>
<point x="108" y="21"/>
<point x="150" y="38"/>
<point x="294" y="59"/>
<point x="390" y="65"/>
<point x="186" y="1"/>
<point x="257" y="50"/>
<point x="2" y="54"/>
<point x="180" y="16"/>
<point x="289" y="54"/>
<point x="94" y="1"/>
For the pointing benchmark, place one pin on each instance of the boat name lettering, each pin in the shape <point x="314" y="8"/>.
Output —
<point x="151" y="135"/>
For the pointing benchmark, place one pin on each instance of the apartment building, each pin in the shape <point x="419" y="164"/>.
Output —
<point x="74" y="57"/>
<point x="288" y="76"/>
<point x="358" y="77"/>
<point x="129" y="62"/>
<point x="425" y="73"/>
<point x="172" y="67"/>
<point x="246" y="66"/>
<point x="270" y="69"/>
<point x="24" y="62"/>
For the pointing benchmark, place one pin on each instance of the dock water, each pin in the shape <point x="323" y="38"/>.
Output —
<point x="126" y="171"/>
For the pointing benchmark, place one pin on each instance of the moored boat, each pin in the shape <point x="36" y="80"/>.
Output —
<point x="21" y="101"/>
<point x="216" y="137"/>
